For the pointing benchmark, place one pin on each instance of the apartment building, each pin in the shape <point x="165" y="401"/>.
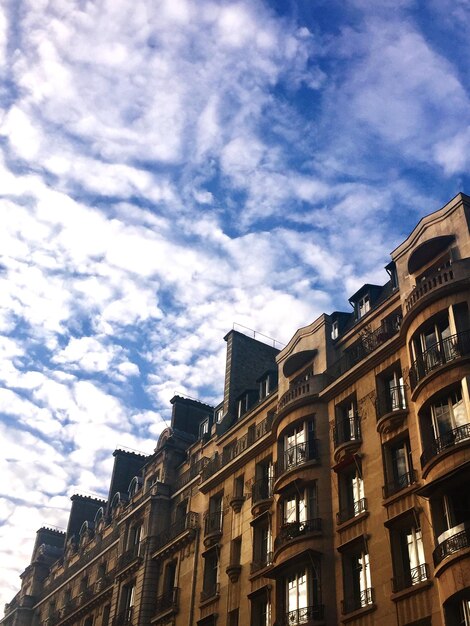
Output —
<point x="330" y="486"/>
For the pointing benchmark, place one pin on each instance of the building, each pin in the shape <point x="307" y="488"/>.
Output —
<point x="330" y="486"/>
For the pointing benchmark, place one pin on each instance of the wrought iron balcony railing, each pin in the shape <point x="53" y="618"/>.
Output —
<point x="439" y="354"/>
<point x="452" y="544"/>
<point x="130" y="555"/>
<point x="188" y="475"/>
<point x="399" y="483"/>
<point x="213" y="523"/>
<point x="298" y="455"/>
<point x="189" y="521"/>
<point x="392" y="399"/>
<point x="262" y="490"/>
<point x="414" y="576"/>
<point x="347" y="430"/>
<point x="446" y="441"/>
<point x="292" y="530"/>
<point x="351" y="511"/>
<point x="167" y="601"/>
<point x="124" y="618"/>
<point x="304" y="615"/>
<point x="358" y="601"/>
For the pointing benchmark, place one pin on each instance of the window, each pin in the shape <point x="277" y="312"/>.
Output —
<point x="88" y="621"/>
<point x="260" y="609"/>
<point x="83" y="584"/>
<point x="204" y="428"/>
<point x="219" y="413"/>
<point x="127" y="602"/>
<point x="432" y="346"/>
<point x="358" y="591"/>
<point x="101" y="570"/>
<point x="335" y="330"/>
<point x="210" y="585"/>
<point x="238" y="486"/>
<point x="302" y="595"/>
<point x="390" y="393"/>
<point x="214" y="516"/>
<point x="300" y="514"/>
<point x="409" y="564"/>
<point x="351" y="492"/>
<point x="264" y="387"/>
<point x="134" y="539"/>
<point x="363" y="305"/>
<point x="347" y="426"/>
<point x="444" y="422"/>
<point x="262" y="544"/>
<point x="458" y="612"/>
<point x="264" y="476"/>
<point x="451" y="515"/>
<point x="299" y="444"/>
<point x="169" y="580"/>
<point x="233" y="618"/>
<point x="106" y="613"/>
<point x="399" y="471"/>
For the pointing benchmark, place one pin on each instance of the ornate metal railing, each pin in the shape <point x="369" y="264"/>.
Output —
<point x="452" y="544"/>
<point x="304" y="615"/>
<point x="358" y="601"/>
<point x="124" y="617"/>
<point x="353" y="510"/>
<point x="292" y="530"/>
<point x="414" y="576"/>
<point x="368" y="342"/>
<point x="446" y="441"/>
<point x="297" y="455"/>
<point x="189" y="521"/>
<point x="213" y="523"/>
<point x="439" y="354"/>
<point x="193" y="471"/>
<point x="262" y="490"/>
<point x="239" y="446"/>
<point x="167" y="601"/>
<point x="346" y="430"/>
<point x="130" y="555"/>
<point x="261" y="562"/>
<point x="392" y="399"/>
<point x="399" y="483"/>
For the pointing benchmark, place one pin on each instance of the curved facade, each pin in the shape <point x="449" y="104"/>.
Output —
<point x="331" y="485"/>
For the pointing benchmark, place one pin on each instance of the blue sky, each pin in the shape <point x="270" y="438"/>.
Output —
<point x="171" y="167"/>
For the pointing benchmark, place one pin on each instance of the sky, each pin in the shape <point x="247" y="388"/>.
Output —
<point x="170" y="168"/>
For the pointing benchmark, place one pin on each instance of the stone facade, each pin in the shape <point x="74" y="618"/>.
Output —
<point x="331" y="485"/>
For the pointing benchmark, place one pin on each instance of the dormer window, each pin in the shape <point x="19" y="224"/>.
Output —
<point x="335" y="330"/>
<point x="363" y="306"/>
<point x="219" y="415"/>
<point x="204" y="428"/>
<point x="264" y="387"/>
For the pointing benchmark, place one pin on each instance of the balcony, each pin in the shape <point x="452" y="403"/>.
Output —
<point x="391" y="408"/>
<point x="298" y="455"/>
<point x="399" y="483"/>
<point x="305" y="615"/>
<point x="352" y="511"/>
<point x="261" y="495"/>
<point x="451" y="545"/>
<point x="167" y="602"/>
<point x="445" y="351"/>
<point x="346" y="436"/>
<point x="212" y="527"/>
<point x="309" y="385"/>
<point x="450" y="272"/>
<point x="293" y="530"/>
<point x="361" y="349"/>
<point x="358" y="601"/>
<point x="124" y="618"/>
<point x="237" y="448"/>
<point x="408" y="579"/>
<point x="444" y="443"/>
<point x="261" y="562"/>
<point x="130" y="558"/>
<point x="190" y="522"/>
<point x="187" y="476"/>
